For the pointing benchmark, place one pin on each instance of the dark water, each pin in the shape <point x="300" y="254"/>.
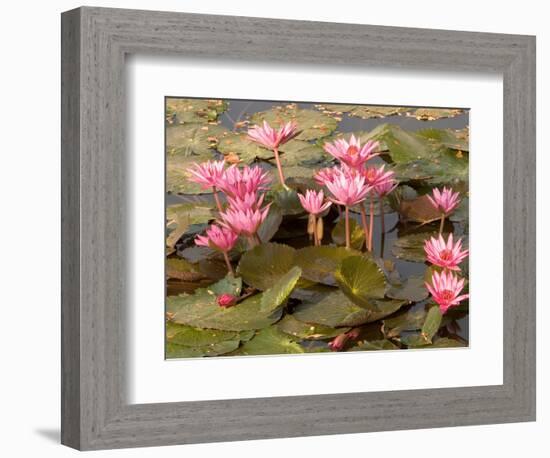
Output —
<point x="239" y="110"/>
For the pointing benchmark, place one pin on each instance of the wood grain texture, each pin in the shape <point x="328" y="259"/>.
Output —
<point x="96" y="413"/>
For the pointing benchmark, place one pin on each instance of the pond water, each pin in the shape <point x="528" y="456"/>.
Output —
<point x="239" y="110"/>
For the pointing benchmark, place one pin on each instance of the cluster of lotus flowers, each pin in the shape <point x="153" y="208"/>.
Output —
<point x="349" y="184"/>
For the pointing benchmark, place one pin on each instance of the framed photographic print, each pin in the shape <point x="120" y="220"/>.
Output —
<point x="312" y="236"/>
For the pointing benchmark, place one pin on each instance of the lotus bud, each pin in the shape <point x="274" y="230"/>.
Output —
<point x="226" y="300"/>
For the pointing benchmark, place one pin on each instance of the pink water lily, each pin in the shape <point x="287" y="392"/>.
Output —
<point x="247" y="201"/>
<point x="347" y="189"/>
<point x="314" y="202"/>
<point x="445" y="201"/>
<point x="445" y="254"/>
<point x="352" y="153"/>
<point x="339" y="342"/>
<point x="383" y="189"/>
<point x="219" y="238"/>
<point x="245" y="221"/>
<point x="325" y="175"/>
<point x="209" y="174"/>
<point x="445" y="289"/>
<point x="377" y="176"/>
<point x="272" y="138"/>
<point x="226" y="300"/>
<point x="238" y="182"/>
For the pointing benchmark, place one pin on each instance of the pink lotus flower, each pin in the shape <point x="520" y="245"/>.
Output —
<point x="218" y="238"/>
<point x="322" y="176"/>
<point x="352" y="153"/>
<point x="385" y="188"/>
<point x="377" y="176"/>
<point x="208" y="174"/>
<point x="226" y="300"/>
<point x="445" y="289"/>
<point x="237" y="182"/>
<point x="445" y="201"/>
<point x="447" y="255"/>
<point x="347" y="189"/>
<point x="245" y="221"/>
<point x="247" y="201"/>
<point x="313" y="202"/>
<point x="272" y="138"/>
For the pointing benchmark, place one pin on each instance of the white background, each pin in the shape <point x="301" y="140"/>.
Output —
<point x="150" y="79"/>
<point x="29" y="233"/>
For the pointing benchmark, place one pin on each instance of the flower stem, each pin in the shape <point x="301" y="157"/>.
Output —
<point x="217" y="199"/>
<point x="364" y="223"/>
<point x="442" y="223"/>
<point x="315" y="238"/>
<point x="279" y="167"/>
<point x="228" y="264"/>
<point x="348" y="241"/>
<point x="371" y="221"/>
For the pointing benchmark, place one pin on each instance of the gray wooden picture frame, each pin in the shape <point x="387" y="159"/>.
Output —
<point x="95" y="412"/>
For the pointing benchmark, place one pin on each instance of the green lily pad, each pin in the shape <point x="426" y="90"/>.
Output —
<point x="432" y="323"/>
<point x="181" y="269"/>
<point x="228" y="285"/>
<point x="182" y="351"/>
<point x="412" y="290"/>
<point x="297" y="171"/>
<point x="279" y="292"/>
<point x="194" y="337"/>
<point x="271" y="224"/>
<point x="319" y="263"/>
<point x="306" y="331"/>
<point x="265" y="264"/>
<point x="177" y="175"/>
<point x="415" y="340"/>
<point x="432" y="114"/>
<point x="194" y="110"/>
<point x="448" y="138"/>
<point x="238" y="144"/>
<point x="419" y="210"/>
<point x="336" y="310"/>
<point x="382" y="344"/>
<point x="270" y="341"/>
<point x="372" y="111"/>
<point x="357" y="235"/>
<point x="361" y="280"/>
<point x="446" y="342"/>
<point x="311" y="123"/>
<point x="193" y="139"/>
<point x="201" y="310"/>
<point x="335" y="108"/>
<point x="194" y="214"/>
<point x="404" y="146"/>
<point x="286" y="200"/>
<point x="411" y="247"/>
<point x="300" y="152"/>
<point x="408" y="320"/>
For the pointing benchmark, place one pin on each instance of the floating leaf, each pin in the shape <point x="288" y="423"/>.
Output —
<point x="412" y="290"/>
<point x="414" y="340"/>
<point x="448" y="138"/>
<point x="287" y="201"/>
<point x="194" y="337"/>
<point x="228" y="285"/>
<point x="193" y="139"/>
<point x="181" y="269"/>
<point x="182" y="351"/>
<point x="279" y="292"/>
<point x="265" y="264"/>
<point x="336" y="108"/>
<point x="419" y="210"/>
<point x="382" y="344"/>
<point x="306" y="331"/>
<point x="194" y="110"/>
<point x="409" y="320"/>
<point x="311" y="123"/>
<point x="357" y="234"/>
<point x="335" y="310"/>
<point x="247" y="151"/>
<point x="432" y="323"/>
<point x="300" y="152"/>
<point x="373" y="111"/>
<point x="361" y="280"/>
<point x="177" y="175"/>
<point x="201" y="310"/>
<point x="270" y="341"/>
<point x="411" y="247"/>
<point x="319" y="263"/>
<point x="446" y="342"/>
<point x="404" y="146"/>
<point x="271" y="224"/>
<point x="431" y="114"/>
<point x="194" y="214"/>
